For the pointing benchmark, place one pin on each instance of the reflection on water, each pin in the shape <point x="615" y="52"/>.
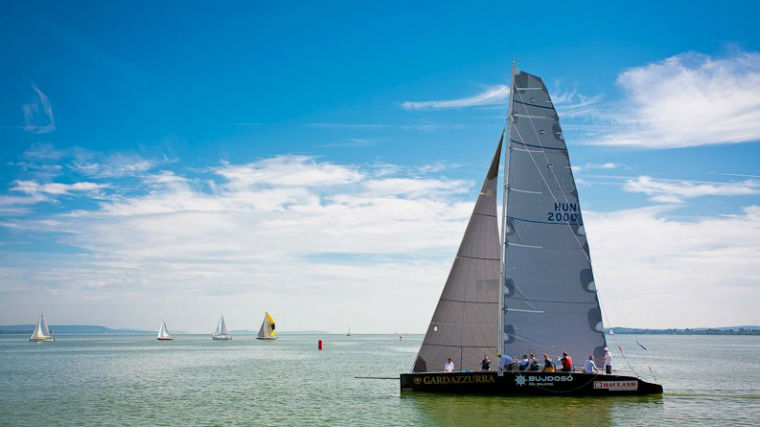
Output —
<point x="456" y="410"/>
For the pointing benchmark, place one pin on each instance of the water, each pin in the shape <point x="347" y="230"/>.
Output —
<point x="136" y="380"/>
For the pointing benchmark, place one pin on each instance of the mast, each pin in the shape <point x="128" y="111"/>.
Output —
<point x="502" y="273"/>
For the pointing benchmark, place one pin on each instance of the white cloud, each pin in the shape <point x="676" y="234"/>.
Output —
<point x="288" y="171"/>
<point x="492" y="95"/>
<point x="675" y="191"/>
<point x="323" y="244"/>
<point x="656" y="272"/>
<point x="38" y="114"/>
<point x="688" y="100"/>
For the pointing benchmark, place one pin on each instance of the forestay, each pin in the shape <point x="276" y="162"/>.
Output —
<point x="550" y="299"/>
<point x="465" y="322"/>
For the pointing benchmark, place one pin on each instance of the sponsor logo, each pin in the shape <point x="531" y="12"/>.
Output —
<point x="617" y="385"/>
<point x="455" y="379"/>
<point x="417" y="380"/>
<point x="546" y="380"/>
<point x="520" y="380"/>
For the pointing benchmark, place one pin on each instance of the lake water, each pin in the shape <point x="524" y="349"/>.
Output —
<point x="136" y="380"/>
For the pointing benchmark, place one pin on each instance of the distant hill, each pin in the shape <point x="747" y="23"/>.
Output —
<point x="742" y="330"/>
<point x="69" y="329"/>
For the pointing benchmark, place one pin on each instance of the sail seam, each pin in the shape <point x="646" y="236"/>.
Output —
<point x="477" y="258"/>
<point x="533" y="105"/>
<point x="539" y="147"/>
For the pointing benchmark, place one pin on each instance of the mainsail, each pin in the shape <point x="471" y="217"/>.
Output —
<point x="465" y="322"/>
<point x="550" y="300"/>
<point x="267" y="327"/>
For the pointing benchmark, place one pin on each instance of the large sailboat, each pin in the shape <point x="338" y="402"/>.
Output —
<point x="221" y="332"/>
<point x="266" y="332"/>
<point x="163" y="332"/>
<point x="530" y="290"/>
<point x="42" y="332"/>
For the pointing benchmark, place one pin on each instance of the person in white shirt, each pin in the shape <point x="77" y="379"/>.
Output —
<point x="607" y="361"/>
<point x="590" y="366"/>
<point x="449" y="367"/>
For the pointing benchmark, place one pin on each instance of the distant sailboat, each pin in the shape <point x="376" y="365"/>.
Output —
<point x="221" y="330"/>
<point x="163" y="333"/>
<point x="612" y="333"/>
<point x="266" y="332"/>
<point x="41" y="332"/>
<point x="349" y="331"/>
<point x="530" y="290"/>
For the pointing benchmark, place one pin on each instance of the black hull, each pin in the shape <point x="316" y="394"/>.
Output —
<point x="527" y="383"/>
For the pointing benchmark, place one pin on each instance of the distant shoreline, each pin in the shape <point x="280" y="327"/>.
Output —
<point x="748" y="330"/>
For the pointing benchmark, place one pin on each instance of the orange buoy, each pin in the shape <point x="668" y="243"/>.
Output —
<point x="319" y="344"/>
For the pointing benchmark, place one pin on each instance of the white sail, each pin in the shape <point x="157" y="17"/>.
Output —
<point x="163" y="332"/>
<point x="41" y="332"/>
<point x="465" y="322"/>
<point x="550" y="300"/>
<point x="221" y="330"/>
<point x="267" y="327"/>
<point x="222" y="325"/>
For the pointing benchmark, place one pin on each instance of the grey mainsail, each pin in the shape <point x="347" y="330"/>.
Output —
<point x="550" y="300"/>
<point x="465" y="322"/>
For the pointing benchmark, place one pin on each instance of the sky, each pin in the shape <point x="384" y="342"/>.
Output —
<point x="320" y="160"/>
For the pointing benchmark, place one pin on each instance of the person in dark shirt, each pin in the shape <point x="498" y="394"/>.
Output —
<point x="485" y="365"/>
<point x="548" y="364"/>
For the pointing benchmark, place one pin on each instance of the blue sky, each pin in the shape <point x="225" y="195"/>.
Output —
<point x="320" y="160"/>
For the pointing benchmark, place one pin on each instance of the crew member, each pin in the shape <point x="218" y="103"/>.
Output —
<point x="607" y="361"/>
<point x="524" y="363"/>
<point x="548" y="364"/>
<point x="567" y="362"/>
<point x="485" y="365"/>
<point x="534" y="363"/>
<point x="449" y="367"/>
<point x="506" y="362"/>
<point x="590" y="366"/>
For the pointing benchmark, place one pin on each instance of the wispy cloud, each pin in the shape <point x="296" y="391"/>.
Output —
<point x="38" y="114"/>
<point x="596" y="166"/>
<point x="421" y="127"/>
<point x="97" y="165"/>
<point x="676" y="191"/>
<point x="687" y="100"/>
<point x="492" y="95"/>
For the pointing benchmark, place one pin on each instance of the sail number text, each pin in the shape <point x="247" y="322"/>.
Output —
<point x="563" y="212"/>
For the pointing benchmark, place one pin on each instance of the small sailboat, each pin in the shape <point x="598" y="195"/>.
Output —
<point x="163" y="332"/>
<point x="221" y="330"/>
<point x="349" y="331"/>
<point x="266" y="332"/>
<point x="41" y="332"/>
<point x="530" y="290"/>
<point x="612" y="332"/>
